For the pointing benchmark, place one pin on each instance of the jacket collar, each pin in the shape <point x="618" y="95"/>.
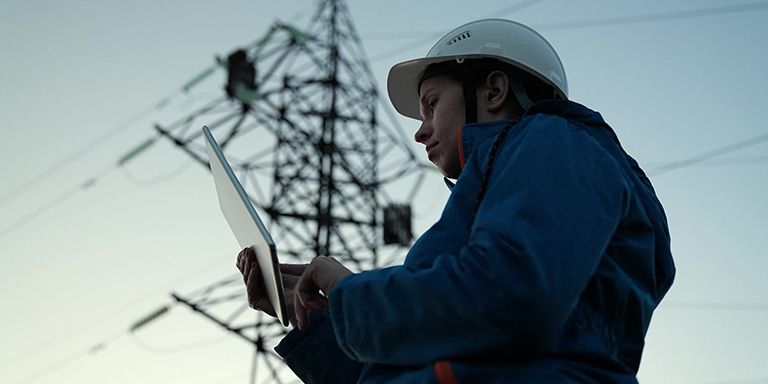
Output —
<point x="569" y="110"/>
<point x="471" y="135"/>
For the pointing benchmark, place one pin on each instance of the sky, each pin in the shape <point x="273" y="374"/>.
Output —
<point x="80" y="83"/>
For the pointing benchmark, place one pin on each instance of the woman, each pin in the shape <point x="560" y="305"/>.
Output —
<point x="549" y="257"/>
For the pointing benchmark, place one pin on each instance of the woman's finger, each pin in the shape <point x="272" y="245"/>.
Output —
<point x="314" y="305"/>
<point x="293" y="269"/>
<point x="239" y="261"/>
<point x="289" y="281"/>
<point x="302" y="293"/>
<point x="247" y="266"/>
<point x="317" y="302"/>
<point x="299" y="311"/>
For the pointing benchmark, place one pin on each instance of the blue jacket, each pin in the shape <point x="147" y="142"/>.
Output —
<point x="552" y="280"/>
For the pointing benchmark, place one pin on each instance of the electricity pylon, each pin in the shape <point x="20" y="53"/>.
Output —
<point x="300" y="123"/>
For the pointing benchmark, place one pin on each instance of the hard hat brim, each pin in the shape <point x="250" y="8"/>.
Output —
<point x="402" y="84"/>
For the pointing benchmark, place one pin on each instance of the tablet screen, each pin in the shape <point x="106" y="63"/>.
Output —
<point x="246" y="225"/>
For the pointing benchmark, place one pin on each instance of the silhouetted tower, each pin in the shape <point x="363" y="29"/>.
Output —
<point x="300" y="123"/>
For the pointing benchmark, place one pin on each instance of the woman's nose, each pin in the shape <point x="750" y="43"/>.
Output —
<point x="422" y="134"/>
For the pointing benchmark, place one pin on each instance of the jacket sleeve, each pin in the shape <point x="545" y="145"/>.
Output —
<point x="552" y="204"/>
<point x="314" y="356"/>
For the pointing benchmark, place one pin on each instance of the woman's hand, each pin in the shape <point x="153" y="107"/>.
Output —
<point x="254" y="284"/>
<point x="312" y="289"/>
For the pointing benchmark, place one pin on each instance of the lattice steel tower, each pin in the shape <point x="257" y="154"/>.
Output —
<point x="300" y="123"/>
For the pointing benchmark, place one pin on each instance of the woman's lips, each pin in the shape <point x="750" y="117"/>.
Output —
<point x="430" y="150"/>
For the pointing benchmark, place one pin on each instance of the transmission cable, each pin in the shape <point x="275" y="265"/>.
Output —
<point x="58" y="199"/>
<point x="71" y="359"/>
<point x="715" y="306"/>
<point x="654" y="17"/>
<point x="759" y="380"/>
<point x="711" y="154"/>
<point x="177" y="348"/>
<point x="111" y="315"/>
<point x="578" y="24"/>
<point x="59" y="165"/>
<point x="87" y="184"/>
<point x="431" y="36"/>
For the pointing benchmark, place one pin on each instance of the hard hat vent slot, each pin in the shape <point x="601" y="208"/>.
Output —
<point x="461" y="36"/>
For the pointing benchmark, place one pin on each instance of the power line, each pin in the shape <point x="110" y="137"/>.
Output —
<point x="587" y="23"/>
<point x="101" y="346"/>
<point x="720" y="162"/>
<point x="687" y="162"/>
<point x="111" y="315"/>
<point x="655" y="17"/>
<point x="120" y="128"/>
<point x="58" y="199"/>
<point x="59" y="165"/>
<point x="71" y="359"/>
<point x="431" y="36"/>
<point x="511" y="9"/>
<point x="177" y="348"/>
<point x="668" y="167"/>
<point x="157" y="180"/>
<point x="90" y="182"/>
<point x="758" y="380"/>
<point x="716" y="306"/>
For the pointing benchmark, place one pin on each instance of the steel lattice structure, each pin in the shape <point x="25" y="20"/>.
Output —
<point x="300" y="124"/>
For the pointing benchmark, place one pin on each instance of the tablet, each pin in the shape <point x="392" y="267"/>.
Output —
<point x="246" y="225"/>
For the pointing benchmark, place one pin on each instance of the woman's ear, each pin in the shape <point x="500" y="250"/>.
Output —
<point x="497" y="90"/>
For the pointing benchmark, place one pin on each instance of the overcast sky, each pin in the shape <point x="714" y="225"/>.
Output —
<point x="82" y="261"/>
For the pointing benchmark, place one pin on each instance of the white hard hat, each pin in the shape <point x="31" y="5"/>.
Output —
<point x="500" y="39"/>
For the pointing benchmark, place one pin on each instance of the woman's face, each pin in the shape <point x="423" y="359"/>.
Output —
<point x="442" y="116"/>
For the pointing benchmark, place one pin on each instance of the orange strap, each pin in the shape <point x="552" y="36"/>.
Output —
<point x="444" y="372"/>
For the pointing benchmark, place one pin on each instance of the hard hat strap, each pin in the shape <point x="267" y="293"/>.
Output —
<point x="470" y="96"/>
<point x="521" y="95"/>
